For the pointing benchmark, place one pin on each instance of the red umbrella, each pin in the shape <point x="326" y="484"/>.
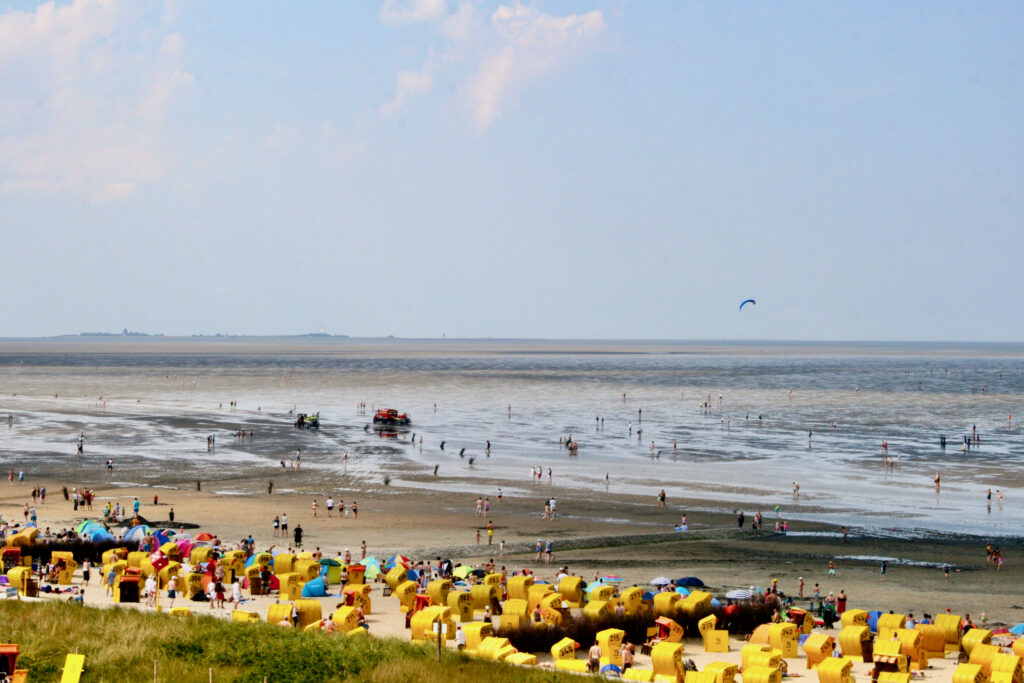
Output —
<point x="204" y="536"/>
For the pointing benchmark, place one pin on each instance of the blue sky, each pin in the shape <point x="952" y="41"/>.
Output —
<point x="513" y="169"/>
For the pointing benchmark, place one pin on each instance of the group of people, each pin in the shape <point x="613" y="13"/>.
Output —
<point x="343" y="510"/>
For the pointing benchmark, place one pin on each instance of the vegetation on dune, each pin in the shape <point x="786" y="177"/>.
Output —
<point x="122" y="644"/>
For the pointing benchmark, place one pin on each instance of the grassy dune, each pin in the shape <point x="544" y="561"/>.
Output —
<point x="121" y="645"/>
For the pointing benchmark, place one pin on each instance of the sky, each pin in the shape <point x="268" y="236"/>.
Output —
<point x="603" y="169"/>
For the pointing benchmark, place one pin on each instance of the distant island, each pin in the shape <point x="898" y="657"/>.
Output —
<point x="220" y="335"/>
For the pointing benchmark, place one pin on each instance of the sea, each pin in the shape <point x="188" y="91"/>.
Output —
<point x="727" y="426"/>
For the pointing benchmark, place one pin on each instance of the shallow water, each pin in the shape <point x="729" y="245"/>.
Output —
<point x="159" y="408"/>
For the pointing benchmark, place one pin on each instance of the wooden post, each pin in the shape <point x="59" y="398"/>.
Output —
<point x="154" y="671"/>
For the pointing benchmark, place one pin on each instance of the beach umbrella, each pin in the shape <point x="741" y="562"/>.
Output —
<point x="372" y="572"/>
<point x="682" y="590"/>
<point x="479" y="573"/>
<point x="661" y="581"/>
<point x="611" y="669"/>
<point x="328" y="562"/>
<point x="462" y="571"/>
<point x="204" y="536"/>
<point x="1017" y="630"/>
<point x="412" y="575"/>
<point x="397" y="560"/>
<point x="612" y="579"/>
<point x="739" y="594"/>
<point x="689" y="582"/>
<point x="161" y="538"/>
<point x="136" y="534"/>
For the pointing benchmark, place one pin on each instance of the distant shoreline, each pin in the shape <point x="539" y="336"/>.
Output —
<point x="327" y="345"/>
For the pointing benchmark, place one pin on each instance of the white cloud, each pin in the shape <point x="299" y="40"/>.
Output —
<point x="281" y="139"/>
<point x="495" y="61"/>
<point x="531" y="44"/>
<point x="409" y="83"/>
<point x="114" y="191"/>
<point x="412" y="11"/>
<point x="89" y="90"/>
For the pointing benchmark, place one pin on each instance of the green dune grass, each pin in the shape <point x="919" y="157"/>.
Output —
<point x="122" y="645"/>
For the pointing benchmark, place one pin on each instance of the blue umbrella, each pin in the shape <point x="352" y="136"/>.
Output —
<point x="610" y="669"/>
<point x="682" y="590"/>
<point x="1017" y="630"/>
<point x="689" y="582"/>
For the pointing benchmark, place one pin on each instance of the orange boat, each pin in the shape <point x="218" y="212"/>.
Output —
<point x="391" y="418"/>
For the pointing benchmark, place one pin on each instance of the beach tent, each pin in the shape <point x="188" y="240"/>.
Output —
<point x="873" y="620"/>
<point x="137" y="534"/>
<point x="462" y="571"/>
<point x="661" y="581"/>
<point x="101" y="536"/>
<point x="1017" y="630"/>
<point x="314" y="589"/>
<point x="161" y="538"/>
<point x="689" y="582"/>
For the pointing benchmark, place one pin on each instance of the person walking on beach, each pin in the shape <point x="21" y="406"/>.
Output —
<point x="661" y="498"/>
<point x="845" y="532"/>
<point x="884" y="568"/>
<point x="330" y="505"/>
<point x="298" y="535"/>
<point x="740" y="519"/>
<point x="831" y="567"/>
<point x="490" y="532"/>
<point x="277" y="526"/>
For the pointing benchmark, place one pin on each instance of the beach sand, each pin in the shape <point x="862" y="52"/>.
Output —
<point x="628" y="536"/>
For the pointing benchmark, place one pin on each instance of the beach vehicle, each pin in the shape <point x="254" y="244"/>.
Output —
<point x="304" y="421"/>
<point x="389" y="417"/>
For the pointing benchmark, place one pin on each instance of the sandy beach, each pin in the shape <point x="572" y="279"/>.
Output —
<point x="423" y="525"/>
